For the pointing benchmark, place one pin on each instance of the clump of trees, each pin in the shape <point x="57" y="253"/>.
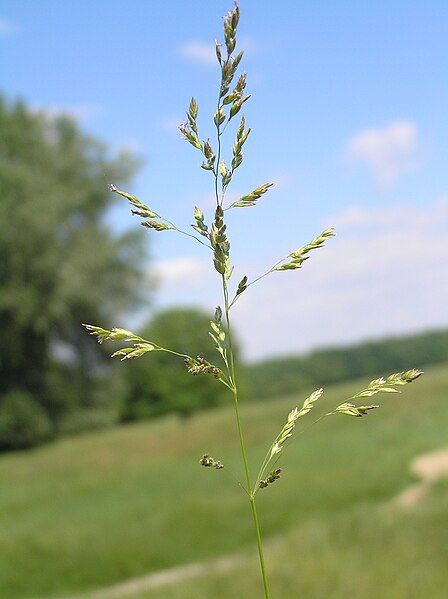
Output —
<point x="59" y="263"/>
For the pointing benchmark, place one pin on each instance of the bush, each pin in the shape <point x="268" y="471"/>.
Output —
<point x="23" y="422"/>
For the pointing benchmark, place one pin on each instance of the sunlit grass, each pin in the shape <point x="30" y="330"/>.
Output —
<point x="95" y="510"/>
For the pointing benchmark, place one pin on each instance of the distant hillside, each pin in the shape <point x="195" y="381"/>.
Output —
<point x="284" y="375"/>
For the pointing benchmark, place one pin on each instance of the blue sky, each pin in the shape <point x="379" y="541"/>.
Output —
<point x="349" y="120"/>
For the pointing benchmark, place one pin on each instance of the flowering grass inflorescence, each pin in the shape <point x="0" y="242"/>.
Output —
<point x="213" y="235"/>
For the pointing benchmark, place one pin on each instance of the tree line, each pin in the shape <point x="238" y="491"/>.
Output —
<point x="325" y="366"/>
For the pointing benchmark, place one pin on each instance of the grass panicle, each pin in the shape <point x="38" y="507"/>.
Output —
<point x="212" y="233"/>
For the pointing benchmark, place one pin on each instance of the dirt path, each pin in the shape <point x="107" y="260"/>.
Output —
<point x="430" y="468"/>
<point x="159" y="579"/>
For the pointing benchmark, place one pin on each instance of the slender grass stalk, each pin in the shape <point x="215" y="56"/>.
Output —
<point x="232" y="375"/>
<point x="251" y="492"/>
<point x="229" y="104"/>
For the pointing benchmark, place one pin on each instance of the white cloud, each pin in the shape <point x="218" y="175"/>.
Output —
<point x="388" y="151"/>
<point x="186" y="280"/>
<point x="199" y="52"/>
<point x="181" y="270"/>
<point x="357" y="218"/>
<point x="386" y="273"/>
<point x="7" y="27"/>
<point x="79" y="112"/>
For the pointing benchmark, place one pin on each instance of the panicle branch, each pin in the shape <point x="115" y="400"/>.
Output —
<point x="286" y="432"/>
<point x="140" y="209"/>
<point x="241" y="137"/>
<point x="298" y="257"/>
<point x="190" y="129"/>
<point x="271" y="478"/>
<point x="251" y="198"/>
<point x="155" y="222"/>
<point x="139" y="347"/>
<point x="388" y="384"/>
<point x="218" y="334"/>
<point x="144" y="212"/>
<point x="293" y="416"/>
<point x="381" y="385"/>
<point x="200" y="226"/>
<point x="200" y="365"/>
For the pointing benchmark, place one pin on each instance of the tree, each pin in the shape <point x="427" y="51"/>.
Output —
<point x="158" y="384"/>
<point x="59" y="262"/>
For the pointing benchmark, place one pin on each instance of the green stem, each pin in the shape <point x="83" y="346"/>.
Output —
<point x="175" y="228"/>
<point x="260" y="548"/>
<point x="268" y="272"/>
<point x="218" y="160"/>
<point x="232" y="377"/>
<point x="268" y="461"/>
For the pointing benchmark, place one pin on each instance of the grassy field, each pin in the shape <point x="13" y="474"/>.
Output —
<point x="95" y="510"/>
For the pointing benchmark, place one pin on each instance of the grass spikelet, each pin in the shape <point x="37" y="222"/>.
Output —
<point x="387" y="385"/>
<point x="157" y="225"/>
<point x="351" y="410"/>
<point x="200" y="365"/>
<point x="297" y="257"/>
<point x="140" y="209"/>
<point x="271" y="478"/>
<point x="218" y="334"/>
<point x="251" y="198"/>
<point x="209" y="462"/>
<point x="381" y="385"/>
<point x="293" y="416"/>
<point x="200" y="226"/>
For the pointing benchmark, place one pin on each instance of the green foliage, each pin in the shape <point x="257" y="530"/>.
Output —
<point x="59" y="261"/>
<point x="159" y="384"/>
<point x="23" y="422"/>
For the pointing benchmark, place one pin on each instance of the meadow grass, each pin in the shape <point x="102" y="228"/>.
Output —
<point x="367" y="551"/>
<point x="95" y="510"/>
